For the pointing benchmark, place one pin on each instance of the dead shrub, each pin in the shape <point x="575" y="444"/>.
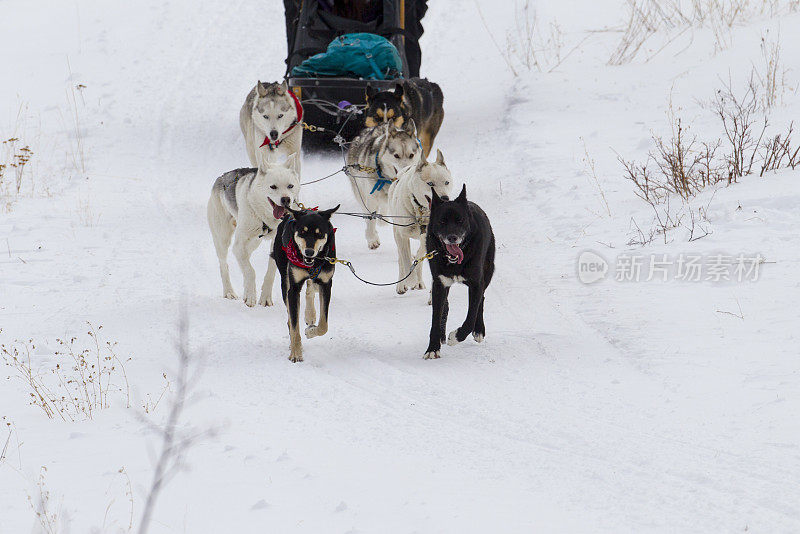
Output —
<point x="81" y="379"/>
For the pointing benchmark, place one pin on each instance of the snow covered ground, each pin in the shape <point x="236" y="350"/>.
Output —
<point x="618" y="406"/>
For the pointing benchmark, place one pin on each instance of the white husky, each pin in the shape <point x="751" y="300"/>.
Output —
<point x="409" y="198"/>
<point x="272" y="123"/>
<point x="246" y="205"/>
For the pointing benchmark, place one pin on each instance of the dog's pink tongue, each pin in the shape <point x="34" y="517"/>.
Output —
<point x="278" y="211"/>
<point x="455" y="250"/>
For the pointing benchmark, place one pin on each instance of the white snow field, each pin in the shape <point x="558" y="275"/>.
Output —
<point x="618" y="406"/>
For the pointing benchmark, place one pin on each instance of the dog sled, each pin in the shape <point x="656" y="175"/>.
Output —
<point x="331" y="102"/>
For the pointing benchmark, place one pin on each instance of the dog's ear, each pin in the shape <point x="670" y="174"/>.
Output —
<point x="295" y="213"/>
<point x="371" y="92"/>
<point x="462" y="196"/>
<point x="440" y="158"/>
<point x="435" y="199"/>
<point x="327" y="213"/>
<point x="283" y="87"/>
<point x="261" y="89"/>
<point x="290" y="161"/>
<point x="422" y="160"/>
<point x="398" y="91"/>
<point x="411" y="128"/>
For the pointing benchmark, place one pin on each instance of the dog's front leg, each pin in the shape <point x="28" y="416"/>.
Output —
<point x="373" y="241"/>
<point x="293" y="307"/>
<point x="403" y="261"/>
<point x="269" y="279"/>
<point x="439" y="296"/>
<point x="475" y="299"/>
<point x="243" y="247"/>
<point x="421" y="251"/>
<point x="311" y="312"/>
<point x="324" y="290"/>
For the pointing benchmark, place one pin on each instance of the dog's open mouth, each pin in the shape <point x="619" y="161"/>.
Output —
<point x="278" y="211"/>
<point x="454" y="253"/>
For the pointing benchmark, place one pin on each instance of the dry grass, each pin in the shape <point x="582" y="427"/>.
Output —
<point x="528" y="46"/>
<point x="48" y="513"/>
<point x="15" y="158"/>
<point x="672" y="18"/>
<point x="82" y="378"/>
<point x="683" y="165"/>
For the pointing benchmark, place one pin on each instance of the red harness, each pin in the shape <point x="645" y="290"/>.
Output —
<point x="298" y="107"/>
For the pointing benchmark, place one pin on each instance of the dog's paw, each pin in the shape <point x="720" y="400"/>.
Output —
<point x="230" y="294"/>
<point x="418" y="285"/>
<point x="432" y="355"/>
<point x="294" y="358"/>
<point x="478" y="337"/>
<point x="373" y="244"/>
<point x="452" y="338"/>
<point x="314" y="331"/>
<point x="265" y="299"/>
<point x="250" y="299"/>
<point x="401" y="289"/>
<point x="430" y="299"/>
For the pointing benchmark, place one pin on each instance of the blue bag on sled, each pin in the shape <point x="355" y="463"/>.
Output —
<point x="363" y="55"/>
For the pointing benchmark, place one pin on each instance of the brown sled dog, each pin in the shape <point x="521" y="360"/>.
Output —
<point x="414" y="98"/>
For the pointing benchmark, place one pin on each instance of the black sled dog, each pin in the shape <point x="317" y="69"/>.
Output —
<point x="303" y="240"/>
<point x="460" y="233"/>
<point x="414" y="99"/>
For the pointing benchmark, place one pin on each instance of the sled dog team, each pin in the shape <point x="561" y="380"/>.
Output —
<point x="262" y="202"/>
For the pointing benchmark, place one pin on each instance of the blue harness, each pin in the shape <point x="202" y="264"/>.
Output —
<point x="382" y="180"/>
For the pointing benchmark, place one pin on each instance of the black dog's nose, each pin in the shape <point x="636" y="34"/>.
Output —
<point x="445" y="197"/>
<point x="273" y="134"/>
<point x="452" y="238"/>
<point x="309" y="252"/>
<point x="286" y="201"/>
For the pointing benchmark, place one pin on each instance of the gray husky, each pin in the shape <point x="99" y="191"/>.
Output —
<point x="272" y="123"/>
<point x="247" y="205"/>
<point x="388" y="150"/>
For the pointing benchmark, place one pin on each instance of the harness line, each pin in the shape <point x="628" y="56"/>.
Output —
<point x="414" y="264"/>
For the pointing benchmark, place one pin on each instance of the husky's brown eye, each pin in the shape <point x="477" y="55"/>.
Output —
<point x="397" y="156"/>
<point x="289" y="186"/>
<point x="273" y="187"/>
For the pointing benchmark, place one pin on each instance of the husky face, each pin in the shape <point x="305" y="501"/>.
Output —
<point x="399" y="149"/>
<point x="311" y="231"/>
<point x="385" y="106"/>
<point x="278" y="185"/>
<point x="450" y="223"/>
<point x="434" y="176"/>
<point x="273" y="109"/>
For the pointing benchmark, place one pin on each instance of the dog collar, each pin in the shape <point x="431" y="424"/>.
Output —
<point x="422" y="209"/>
<point x="298" y="108"/>
<point x="382" y="180"/>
